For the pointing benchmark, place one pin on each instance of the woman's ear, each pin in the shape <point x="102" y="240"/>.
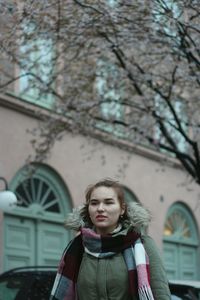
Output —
<point x="123" y="208"/>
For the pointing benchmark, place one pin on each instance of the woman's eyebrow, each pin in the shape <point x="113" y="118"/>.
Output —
<point x="105" y="199"/>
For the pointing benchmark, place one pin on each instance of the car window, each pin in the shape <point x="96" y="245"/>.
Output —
<point x="173" y="297"/>
<point x="26" y="286"/>
<point x="41" y="287"/>
<point x="9" y="287"/>
<point x="190" y="294"/>
<point x="184" y="292"/>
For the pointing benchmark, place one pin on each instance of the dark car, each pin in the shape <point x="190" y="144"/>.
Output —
<point x="28" y="283"/>
<point x="35" y="283"/>
<point x="185" y="289"/>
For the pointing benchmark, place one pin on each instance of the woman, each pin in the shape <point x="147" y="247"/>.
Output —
<point x="111" y="258"/>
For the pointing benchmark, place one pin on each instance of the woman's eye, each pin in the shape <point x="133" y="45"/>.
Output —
<point x="109" y="202"/>
<point x="93" y="203"/>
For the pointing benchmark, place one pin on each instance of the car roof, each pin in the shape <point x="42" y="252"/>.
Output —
<point x="192" y="283"/>
<point x="30" y="269"/>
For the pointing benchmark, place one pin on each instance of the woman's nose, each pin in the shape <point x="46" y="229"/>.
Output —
<point x="100" y="207"/>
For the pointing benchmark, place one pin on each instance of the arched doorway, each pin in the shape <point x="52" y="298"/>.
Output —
<point x="180" y="243"/>
<point x="129" y="195"/>
<point x="34" y="233"/>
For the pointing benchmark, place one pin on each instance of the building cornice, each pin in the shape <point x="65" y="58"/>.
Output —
<point x="17" y="104"/>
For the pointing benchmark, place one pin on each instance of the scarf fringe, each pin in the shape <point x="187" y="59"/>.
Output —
<point x="145" y="293"/>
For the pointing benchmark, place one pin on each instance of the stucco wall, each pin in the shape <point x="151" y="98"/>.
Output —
<point x="156" y="186"/>
<point x="81" y="161"/>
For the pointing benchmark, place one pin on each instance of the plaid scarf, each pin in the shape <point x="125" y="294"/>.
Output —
<point x="129" y="243"/>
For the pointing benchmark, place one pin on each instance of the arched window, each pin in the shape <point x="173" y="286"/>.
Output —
<point x="179" y="225"/>
<point x="130" y="196"/>
<point x="34" y="233"/>
<point x="41" y="191"/>
<point x="180" y="240"/>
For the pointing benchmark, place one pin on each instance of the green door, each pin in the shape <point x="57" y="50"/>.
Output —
<point x="180" y="261"/>
<point x="180" y="244"/>
<point x="51" y="240"/>
<point x="31" y="242"/>
<point x="19" y="242"/>
<point x="34" y="233"/>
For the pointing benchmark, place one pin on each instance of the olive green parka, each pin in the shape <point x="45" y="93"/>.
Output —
<point x="97" y="277"/>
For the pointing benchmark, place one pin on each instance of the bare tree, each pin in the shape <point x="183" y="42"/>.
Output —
<point x="130" y="69"/>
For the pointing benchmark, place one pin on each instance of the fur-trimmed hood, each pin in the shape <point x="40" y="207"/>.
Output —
<point x="138" y="217"/>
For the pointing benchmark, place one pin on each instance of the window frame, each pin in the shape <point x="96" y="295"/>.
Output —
<point x="34" y="60"/>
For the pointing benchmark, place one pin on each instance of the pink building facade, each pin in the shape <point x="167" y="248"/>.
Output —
<point x="33" y="233"/>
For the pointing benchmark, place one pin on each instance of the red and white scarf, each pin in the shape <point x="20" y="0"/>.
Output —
<point x="129" y="243"/>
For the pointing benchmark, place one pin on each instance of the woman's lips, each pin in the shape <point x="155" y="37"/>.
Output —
<point x="100" y="218"/>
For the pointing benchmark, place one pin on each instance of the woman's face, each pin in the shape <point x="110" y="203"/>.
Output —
<point x="104" y="209"/>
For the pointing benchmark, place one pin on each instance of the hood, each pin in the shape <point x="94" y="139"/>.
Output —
<point x="138" y="217"/>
